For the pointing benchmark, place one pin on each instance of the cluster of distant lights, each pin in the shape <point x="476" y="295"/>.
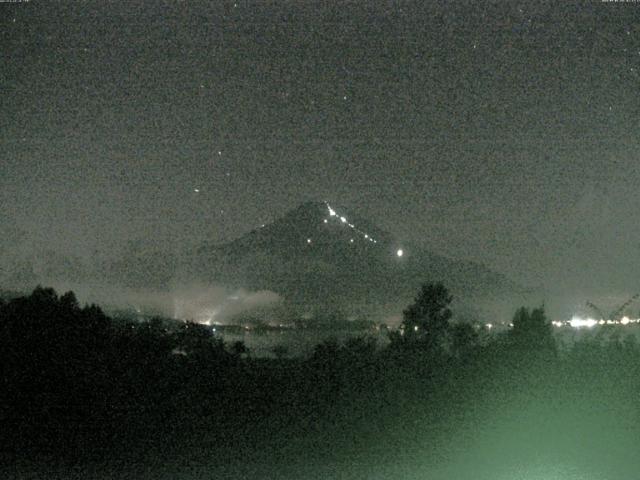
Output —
<point x="575" y="322"/>
<point x="579" y="322"/>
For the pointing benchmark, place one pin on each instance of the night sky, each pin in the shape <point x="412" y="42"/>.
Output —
<point x="503" y="132"/>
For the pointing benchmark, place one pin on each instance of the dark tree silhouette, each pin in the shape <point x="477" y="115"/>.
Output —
<point x="426" y="321"/>
<point x="239" y="348"/>
<point x="326" y="352"/>
<point x="69" y="301"/>
<point x="280" y="351"/>
<point x="198" y="341"/>
<point x="464" y="338"/>
<point x="532" y="329"/>
<point x="361" y="347"/>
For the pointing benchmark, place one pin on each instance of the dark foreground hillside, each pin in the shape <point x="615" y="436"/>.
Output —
<point x="85" y="397"/>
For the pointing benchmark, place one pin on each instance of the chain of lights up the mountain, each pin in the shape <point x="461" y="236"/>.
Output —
<point x="343" y="220"/>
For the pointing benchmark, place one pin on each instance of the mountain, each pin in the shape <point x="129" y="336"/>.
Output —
<point x="319" y="256"/>
<point x="320" y="259"/>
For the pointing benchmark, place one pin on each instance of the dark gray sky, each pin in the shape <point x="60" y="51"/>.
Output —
<point x="504" y="132"/>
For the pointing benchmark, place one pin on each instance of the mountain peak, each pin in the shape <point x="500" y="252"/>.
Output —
<point x="321" y="221"/>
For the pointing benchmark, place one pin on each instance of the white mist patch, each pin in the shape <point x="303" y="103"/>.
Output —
<point x="197" y="302"/>
<point x="211" y="304"/>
